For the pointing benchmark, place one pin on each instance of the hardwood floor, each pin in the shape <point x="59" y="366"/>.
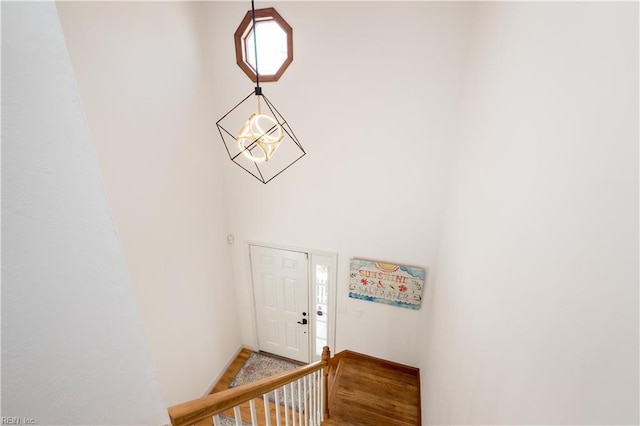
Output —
<point x="367" y="391"/>
<point x="245" y="409"/>
<point x="364" y="391"/>
<point x="231" y="372"/>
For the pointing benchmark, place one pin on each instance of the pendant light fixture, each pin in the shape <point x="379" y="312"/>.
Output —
<point x="257" y="137"/>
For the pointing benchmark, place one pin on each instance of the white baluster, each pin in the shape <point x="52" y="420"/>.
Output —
<point x="237" y="415"/>
<point x="321" y="395"/>
<point x="286" y="405"/>
<point x="312" y="412"/>
<point x="299" y="402"/>
<point x="267" y="410"/>
<point x="277" y="407"/>
<point x="216" y="420"/>
<point x="293" y="404"/>
<point x="306" y="406"/>
<point x="314" y="396"/>
<point x="320" y="419"/>
<point x="318" y="383"/>
<point x="254" y="417"/>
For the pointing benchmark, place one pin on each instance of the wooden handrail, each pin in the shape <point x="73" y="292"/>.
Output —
<point x="191" y="412"/>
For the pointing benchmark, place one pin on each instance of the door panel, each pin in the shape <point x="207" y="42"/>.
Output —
<point x="281" y="291"/>
<point x="271" y="332"/>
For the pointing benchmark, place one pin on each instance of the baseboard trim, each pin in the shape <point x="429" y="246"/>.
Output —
<point x="222" y="371"/>
<point x="251" y="348"/>
<point x="402" y="367"/>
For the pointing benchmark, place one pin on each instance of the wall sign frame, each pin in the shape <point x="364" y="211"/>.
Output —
<point x="388" y="283"/>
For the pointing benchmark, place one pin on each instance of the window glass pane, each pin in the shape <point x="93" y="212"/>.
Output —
<point x="272" y="47"/>
<point x="322" y="282"/>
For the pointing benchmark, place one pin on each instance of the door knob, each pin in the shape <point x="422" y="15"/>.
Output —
<point x="304" y="321"/>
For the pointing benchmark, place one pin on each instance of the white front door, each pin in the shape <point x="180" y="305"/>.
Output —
<point x="281" y="291"/>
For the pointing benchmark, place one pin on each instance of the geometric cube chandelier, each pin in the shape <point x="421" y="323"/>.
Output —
<point x="256" y="136"/>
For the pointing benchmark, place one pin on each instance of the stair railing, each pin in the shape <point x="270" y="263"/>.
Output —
<point x="303" y="400"/>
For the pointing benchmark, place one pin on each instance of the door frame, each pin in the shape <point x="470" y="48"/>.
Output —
<point x="312" y="255"/>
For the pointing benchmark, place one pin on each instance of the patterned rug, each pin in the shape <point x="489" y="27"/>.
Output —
<point x="228" y="421"/>
<point x="258" y="366"/>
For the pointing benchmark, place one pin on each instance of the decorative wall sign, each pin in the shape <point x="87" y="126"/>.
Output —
<point x="388" y="283"/>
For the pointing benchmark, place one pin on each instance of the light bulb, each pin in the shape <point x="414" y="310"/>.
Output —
<point x="259" y="137"/>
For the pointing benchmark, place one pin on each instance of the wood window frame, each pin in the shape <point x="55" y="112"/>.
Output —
<point x="267" y="14"/>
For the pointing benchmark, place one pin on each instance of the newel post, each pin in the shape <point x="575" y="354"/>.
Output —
<point x="326" y="356"/>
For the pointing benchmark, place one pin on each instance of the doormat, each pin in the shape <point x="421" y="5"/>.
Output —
<point x="258" y="366"/>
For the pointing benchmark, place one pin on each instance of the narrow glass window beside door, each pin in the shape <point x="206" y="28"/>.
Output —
<point x="321" y="304"/>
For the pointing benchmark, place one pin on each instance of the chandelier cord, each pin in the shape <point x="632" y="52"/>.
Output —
<point x="255" y="46"/>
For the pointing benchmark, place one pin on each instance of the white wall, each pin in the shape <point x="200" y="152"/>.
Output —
<point x="535" y="306"/>
<point x="73" y="348"/>
<point x="139" y="68"/>
<point x="371" y="94"/>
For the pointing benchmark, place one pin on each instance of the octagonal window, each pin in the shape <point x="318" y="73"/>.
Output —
<point x="275" y="45"/>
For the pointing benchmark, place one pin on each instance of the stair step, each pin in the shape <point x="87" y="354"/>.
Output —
<point x="371" y="391"/>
